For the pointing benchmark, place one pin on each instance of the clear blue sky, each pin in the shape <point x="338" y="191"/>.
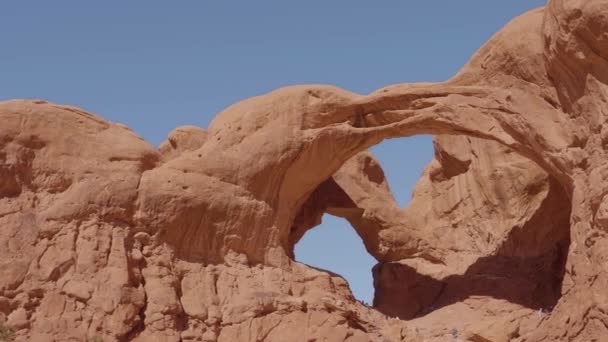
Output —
<point x="155" y="65"/>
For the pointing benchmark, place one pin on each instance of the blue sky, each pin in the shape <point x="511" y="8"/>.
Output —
<point x="155" y="65"/>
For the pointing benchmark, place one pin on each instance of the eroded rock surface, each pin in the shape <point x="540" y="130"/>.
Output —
<point x="104" y="236"/>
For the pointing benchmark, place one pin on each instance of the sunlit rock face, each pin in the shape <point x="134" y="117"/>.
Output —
<point x="104" y="237"/>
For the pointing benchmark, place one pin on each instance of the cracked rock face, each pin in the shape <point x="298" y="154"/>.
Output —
<point x="103" y="236"/>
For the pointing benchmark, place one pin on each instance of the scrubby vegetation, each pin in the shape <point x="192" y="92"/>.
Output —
<point x="7" y="334"/>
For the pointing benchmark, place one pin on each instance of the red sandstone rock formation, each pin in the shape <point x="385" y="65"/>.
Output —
<point x="105" y="237"/>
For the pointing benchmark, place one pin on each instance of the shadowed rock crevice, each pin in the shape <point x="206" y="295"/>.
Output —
<point x="531" y="282"/>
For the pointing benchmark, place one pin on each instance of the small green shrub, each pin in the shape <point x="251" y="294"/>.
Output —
<point x="7" y="334"/>
<point x="96" y="339"/>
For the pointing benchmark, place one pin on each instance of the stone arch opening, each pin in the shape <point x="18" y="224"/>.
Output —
<point x="502" y="232"/>
<point x="335" y="247"/>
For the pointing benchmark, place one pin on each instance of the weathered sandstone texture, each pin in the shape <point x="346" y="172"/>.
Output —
<point x="104" y="237"/>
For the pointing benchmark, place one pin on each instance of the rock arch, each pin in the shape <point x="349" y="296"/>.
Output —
<point x="107" y="235"/>
<point x="295" y="138"/>
<point x="483" y="222"/>
<point x="536" y="87"/>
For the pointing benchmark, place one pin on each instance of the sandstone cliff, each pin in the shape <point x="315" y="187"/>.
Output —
<point x="104" y="237"/>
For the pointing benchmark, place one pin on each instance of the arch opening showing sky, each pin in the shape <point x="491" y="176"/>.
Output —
<point x="335" y="246"/>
